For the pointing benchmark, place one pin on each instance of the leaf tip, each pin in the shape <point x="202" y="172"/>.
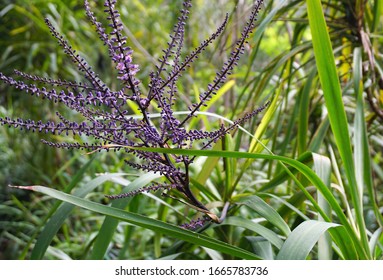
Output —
<point x="30" y="188"/>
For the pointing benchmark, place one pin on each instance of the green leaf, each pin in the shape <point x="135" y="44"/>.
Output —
<point x="305" y="158"/>
<point x="171" y="257"/>
<point x="262" y="27"/>
<point x="110" y="224"/>
<point x="362" y="156"/>
<point x="319" y="135"/>
<point x="345" y="244"/>
<point x="374" y="241"/>
<point x="255" y="146"/>
<point x="266" y="211"/>
<point x="145" y="222"/>
<point x="259" y="229"/>
<point x="57" y="215"/>
<point x="300" y="242"/>
<point x="324" y="56"/>
<point x="378" y="12"/>
<point x="322" y="167"/>
<point x="291" y="205"/>
<point x="261" y="247"/>
<point x="305" y="170"/>
<point x="304" y="109"/>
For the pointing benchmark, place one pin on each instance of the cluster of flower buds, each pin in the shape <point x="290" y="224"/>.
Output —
<point x="104" y="111"/>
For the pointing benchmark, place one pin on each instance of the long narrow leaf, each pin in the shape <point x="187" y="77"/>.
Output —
<point x="362" y="150"/>
<point x="145" y="222"/>
<point x="75" y="180"/>
<point x="261" y="246"/>
<point x="305" y="170"/>
<point x="322" y="166"/>
<point x="303" y="119"/>
<point x="110" y="224"/>
<point x="259" y="229"/>
<point x="300" y="242"/>
<point x="59" y="217"/>
<point x="266" y="211"/>
<point x="333" y="97"/>
<point x="305" y="158"/>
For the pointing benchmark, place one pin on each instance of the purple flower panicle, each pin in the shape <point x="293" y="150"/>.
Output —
<point x="105" y="111"/>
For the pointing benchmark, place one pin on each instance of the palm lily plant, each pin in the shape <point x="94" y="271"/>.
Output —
<point x="106" y="111"/>
<point x="304" y="182"/>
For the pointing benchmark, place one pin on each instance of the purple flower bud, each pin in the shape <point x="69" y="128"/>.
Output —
<point x="120" y="66"/>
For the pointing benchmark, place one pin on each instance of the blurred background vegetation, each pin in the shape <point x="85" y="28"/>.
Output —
<point x="278" y="63"/>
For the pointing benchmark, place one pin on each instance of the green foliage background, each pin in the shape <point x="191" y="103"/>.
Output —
<point x="324" y="121"/>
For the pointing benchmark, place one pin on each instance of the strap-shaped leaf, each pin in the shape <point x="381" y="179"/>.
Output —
<point x="300" y="242"/>
<point x="145" y="222"/>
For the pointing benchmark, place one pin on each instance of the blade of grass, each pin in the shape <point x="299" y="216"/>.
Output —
<point x="206" y="191"/>
<point x="59" y="216"/>
<point x="378" y="11"/>
<point x="305" y="170"/>
<point x="319" y="135"/>
<point x="292" y="204"/>
<point x="261" y="247"/>
<point x="333" y="98"/>
<point x="374" y="241"/>
<point x="303" y="238"/>
<point x="145" y="222"/>
<point x="344" y="243"/>
<point x="75" y="180"/>
<point x="266" y="211"/>
<point x="262" y="26"/>
<point x="362" y="150"/>
<point x="171" y="257"/>
<point x="110" y="224"/>
<point x="219" y="95"/>
<point x="305" y="158"/>
<point x="256" y="144"/>
<point x="162" y="214"/>
<point x="303" y="119"/>
<point x="322" y="166"/>
<point x="267" y="117"/>
<point x="259" y="229"/>
<point x="229" y="169"/>
<point x="124" y="252"/>
<point x="360" y="138"/>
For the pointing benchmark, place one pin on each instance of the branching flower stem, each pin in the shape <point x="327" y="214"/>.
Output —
<point x="106" y="123"/>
